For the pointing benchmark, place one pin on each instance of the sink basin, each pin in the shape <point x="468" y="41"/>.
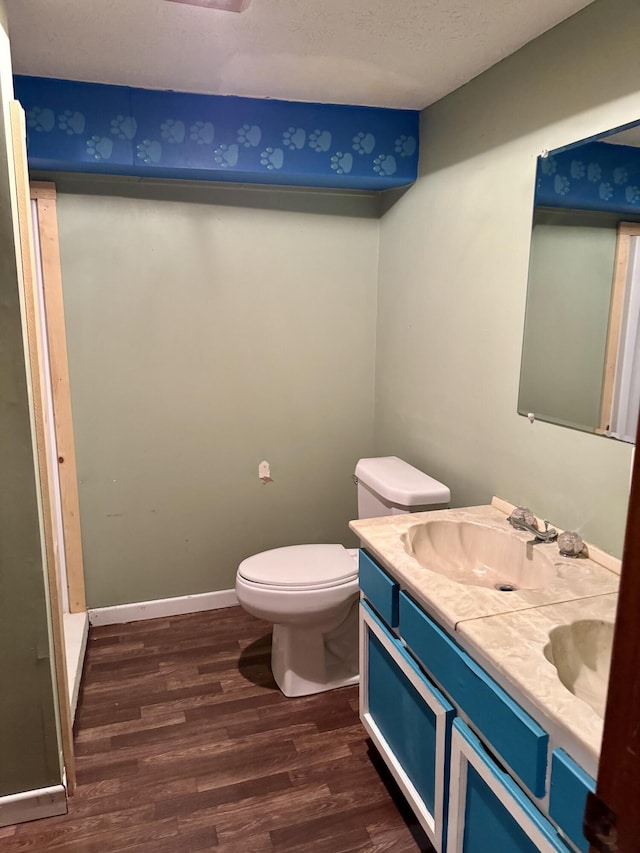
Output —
<point x="478" y="555"/>
<point x="581" y="653"/>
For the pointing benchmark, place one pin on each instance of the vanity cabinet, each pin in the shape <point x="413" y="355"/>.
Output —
<point x="487" y="809"/>
<point x="471" y="762"/>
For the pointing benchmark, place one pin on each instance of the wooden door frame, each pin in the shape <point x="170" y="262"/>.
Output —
<point x="626" y="230"/>
<point x="612" y="820"/>
<point x="47" y="223"/>
<point x="44" y="450"/>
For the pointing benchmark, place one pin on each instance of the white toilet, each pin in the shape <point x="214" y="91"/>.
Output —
<point x="310" y="592"/>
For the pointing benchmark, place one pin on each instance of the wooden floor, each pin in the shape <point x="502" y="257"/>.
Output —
<point x="184" y="743"/>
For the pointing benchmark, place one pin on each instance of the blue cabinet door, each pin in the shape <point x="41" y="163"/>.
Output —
<point x="487" y="810"/>
<point x="568" y="797"/>
<point x="409" y="721"/>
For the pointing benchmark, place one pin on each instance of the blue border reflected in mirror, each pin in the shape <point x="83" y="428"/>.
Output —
<point x="577" y="371"/>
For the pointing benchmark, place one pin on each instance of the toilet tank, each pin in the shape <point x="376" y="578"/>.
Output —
<point x="389" y="486"/>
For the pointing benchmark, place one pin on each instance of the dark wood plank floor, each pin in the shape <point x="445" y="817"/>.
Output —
<point x="184" y="743"/>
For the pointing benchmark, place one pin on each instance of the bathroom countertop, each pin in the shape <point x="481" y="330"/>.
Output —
<point x="509" y="631"/>
<point x="451" y="602"/>
<point x="517" y="646"/>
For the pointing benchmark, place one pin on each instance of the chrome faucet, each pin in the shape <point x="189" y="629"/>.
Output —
<point x="549" y="534"/>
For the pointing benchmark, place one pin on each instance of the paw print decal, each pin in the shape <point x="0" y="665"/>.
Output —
<point x="632" y="195"/>
<point x="385" y="165"/>
<point x="294" y="138"/>
<point x="124" y="127"/>
<point x="320" y="141"/>
<point x="406" y="146"/>
<point x="561" y="185"/>
<point x="272" y="158"/>
<point x="594" y="172"/>
<point x="249" y="135"/>
<point x="342" y="163"/>
<point x="41" y="119"/>
<point x="364" y="143"/>
<point x="548" y="165"/>
<point x="620" y="176"/>
<point x="150" y="151"/>
<point x="577" y="169"/>
<point x="99" y="147"/>
<point x="202" y="132"/>
<point x="71" y="122"/>
<point x="173" y="130"/>
<point x="605" y="191"/>
<point x="226" y="155"/>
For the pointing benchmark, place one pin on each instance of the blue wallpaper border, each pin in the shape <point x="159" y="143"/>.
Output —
<point x="594" y="176"/>
<point x="96" y="128"/>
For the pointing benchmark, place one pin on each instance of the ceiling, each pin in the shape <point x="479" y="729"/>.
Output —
<point x="403" y="54"/>
<point x="631" y="136"/>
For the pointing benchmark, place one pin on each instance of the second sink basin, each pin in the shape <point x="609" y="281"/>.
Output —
<point x="581" y="653"/>
<point x="479" y="555"/>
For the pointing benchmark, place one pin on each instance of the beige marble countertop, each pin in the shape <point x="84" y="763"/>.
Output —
<point x="453" y="602"/>
<point x="510" y="630"/>
<point x="515" y="645"/>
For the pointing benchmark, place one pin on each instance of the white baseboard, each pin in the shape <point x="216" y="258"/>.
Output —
<point x="33" y="805"/>
<point x="162" y="607"/>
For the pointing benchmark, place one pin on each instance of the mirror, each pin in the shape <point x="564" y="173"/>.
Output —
<point x="581" y="345"/>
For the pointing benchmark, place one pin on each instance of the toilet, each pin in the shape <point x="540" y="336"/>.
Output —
<point x="310" y="592"/>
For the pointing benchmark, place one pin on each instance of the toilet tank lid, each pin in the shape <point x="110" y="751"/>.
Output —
<point x="400" y="483"/>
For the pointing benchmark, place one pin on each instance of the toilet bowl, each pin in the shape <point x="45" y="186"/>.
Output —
<point x="310" y="592"/>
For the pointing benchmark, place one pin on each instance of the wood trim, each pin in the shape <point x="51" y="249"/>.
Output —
<point x="42" y="189"/>
<point x="626" y="230"/>
<point x="43" y="445"/>
<point x="56" y="336"/>
<point x="619" y="769"/>
<point x="76" y="636"/>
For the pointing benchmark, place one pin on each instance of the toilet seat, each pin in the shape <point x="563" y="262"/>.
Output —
<point x="300" y="567"/>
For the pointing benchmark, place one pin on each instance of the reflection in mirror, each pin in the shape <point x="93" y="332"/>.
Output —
<point x="581" y="347"/>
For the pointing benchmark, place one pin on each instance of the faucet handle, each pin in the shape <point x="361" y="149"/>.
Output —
<point x="571" y="544"/>
<point x="523" y="513"/>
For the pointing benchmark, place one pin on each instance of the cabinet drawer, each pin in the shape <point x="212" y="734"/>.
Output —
<point x="487" y="810"/>
<point x="379" y="589"/>
<point x="568" y="797"/>
<point x="515" y="736"/>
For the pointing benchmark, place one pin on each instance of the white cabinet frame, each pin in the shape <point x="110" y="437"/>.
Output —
<point x="432" y="823"/>
<point x="466" y="750"/>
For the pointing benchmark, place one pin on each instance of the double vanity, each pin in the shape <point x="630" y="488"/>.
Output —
<point x="484" y="668"/>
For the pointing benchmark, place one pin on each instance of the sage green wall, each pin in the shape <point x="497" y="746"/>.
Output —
<point x="204" y="338"/>
<point x="453" y="271"/>
<point x="28" y="736"/>
<point x="566" y="320"/>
